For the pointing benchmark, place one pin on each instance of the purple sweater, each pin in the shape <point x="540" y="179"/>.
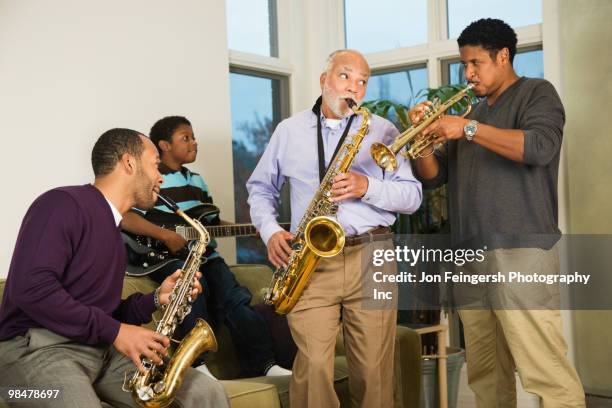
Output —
<point x="67" y="271"/>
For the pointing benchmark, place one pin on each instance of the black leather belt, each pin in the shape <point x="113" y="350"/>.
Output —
<point x="377" y="234"/>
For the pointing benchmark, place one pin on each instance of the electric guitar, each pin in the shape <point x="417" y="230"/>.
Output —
<point x="146" y="254"/>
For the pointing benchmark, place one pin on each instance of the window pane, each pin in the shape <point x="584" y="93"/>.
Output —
<point x="385" y="24"/>
<point x="526" y="63"/>
<point x="400" y="86"/>
<point x="251" y="26"/>
<point x="255" y="103"/>
<point x="529" y="64"/>
<point x="403" y="87"/>
<point x="517" y="13"/>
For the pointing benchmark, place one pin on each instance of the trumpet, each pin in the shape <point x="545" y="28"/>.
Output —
<point x="385" y="155"/>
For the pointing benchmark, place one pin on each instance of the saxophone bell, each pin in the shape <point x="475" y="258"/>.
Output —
<point x="324" y="236"/>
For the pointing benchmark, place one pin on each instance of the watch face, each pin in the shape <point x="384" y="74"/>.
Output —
<point x="470" y="130"/>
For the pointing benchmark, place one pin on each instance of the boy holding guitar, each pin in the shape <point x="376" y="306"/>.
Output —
<point x="228" y="301"/>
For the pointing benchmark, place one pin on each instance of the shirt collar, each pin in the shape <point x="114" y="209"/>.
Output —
<point x="340" y="125"/>
<point x="116" y="214"/>
<point x="163" y="169"/>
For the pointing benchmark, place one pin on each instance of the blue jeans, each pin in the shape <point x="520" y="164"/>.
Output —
<point x="225" y="301"/>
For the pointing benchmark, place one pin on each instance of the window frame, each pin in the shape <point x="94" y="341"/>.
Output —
<point x="439" y="47"/>
<point x="280" y="94"/>
<point x="447" y="62"/>
<point x="273" y="30"/>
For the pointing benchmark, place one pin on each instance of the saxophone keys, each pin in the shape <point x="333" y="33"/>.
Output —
<point x="127" y="382"/>
<point x="159" y="387"/>
<point x="145" y="393"/>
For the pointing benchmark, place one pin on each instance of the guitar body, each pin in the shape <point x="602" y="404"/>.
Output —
<point x="147" y="255"/>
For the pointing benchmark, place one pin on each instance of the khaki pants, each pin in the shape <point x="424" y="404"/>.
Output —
<point x="500" y="340"/>
<point x="86" y="375"/>
<point x="334" y="294"/>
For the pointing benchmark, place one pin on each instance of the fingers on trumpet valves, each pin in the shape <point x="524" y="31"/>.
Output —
<point x="420" y="111"/>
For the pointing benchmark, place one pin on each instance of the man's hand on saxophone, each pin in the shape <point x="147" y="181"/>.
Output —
<point x="137" y="342"/>
<point x="349" y="185"/>
<point x="170" y="282"/>
<point x="279" y="248"/>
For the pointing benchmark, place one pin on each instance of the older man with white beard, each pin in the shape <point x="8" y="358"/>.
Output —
<point x="299" y="152"/>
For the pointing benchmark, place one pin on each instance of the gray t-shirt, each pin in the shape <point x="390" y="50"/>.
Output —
<point x="495" y="201"/>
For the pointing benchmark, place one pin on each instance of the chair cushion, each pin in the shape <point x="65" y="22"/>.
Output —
<point x="247" y="394"/>
<point x="281" y="383"/>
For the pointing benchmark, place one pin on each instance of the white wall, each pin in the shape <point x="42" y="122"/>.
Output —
<point x="587" y="86"/>
<point x="69" y="70"/>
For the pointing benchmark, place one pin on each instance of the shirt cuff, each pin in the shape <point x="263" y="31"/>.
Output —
<point x="269" y="230"/>
<point x="372" y="195"/>
<point x="147" y="304"/>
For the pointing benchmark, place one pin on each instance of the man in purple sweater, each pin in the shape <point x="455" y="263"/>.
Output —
<point x="63" y="325"/>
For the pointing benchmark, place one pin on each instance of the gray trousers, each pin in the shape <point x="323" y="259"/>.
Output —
<point x="86" y="375"/>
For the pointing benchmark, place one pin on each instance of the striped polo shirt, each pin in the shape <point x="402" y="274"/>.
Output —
<point x="186" y="189"/>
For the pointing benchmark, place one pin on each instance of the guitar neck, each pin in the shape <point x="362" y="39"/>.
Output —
<point x="234" y="230"/>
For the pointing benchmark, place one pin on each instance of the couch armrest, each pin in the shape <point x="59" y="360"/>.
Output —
<point x="254" y="277"/>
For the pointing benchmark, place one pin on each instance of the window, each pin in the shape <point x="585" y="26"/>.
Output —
<point x="516" y="13"/>
<point x="402" y="86"/>
<point x="384" y="25"/>
<point x="251" y="26"/>
<point x="529" y="63"/>
<point x="258" y="104"/>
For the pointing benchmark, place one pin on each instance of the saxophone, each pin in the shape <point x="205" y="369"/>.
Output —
<point x="157" y="386"/>
<point x="318" y="234"/>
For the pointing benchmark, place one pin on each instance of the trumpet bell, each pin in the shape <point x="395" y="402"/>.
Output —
<point x="383" y="156"/>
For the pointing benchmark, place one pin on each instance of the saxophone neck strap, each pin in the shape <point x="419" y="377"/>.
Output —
<point x="316" y="109"/>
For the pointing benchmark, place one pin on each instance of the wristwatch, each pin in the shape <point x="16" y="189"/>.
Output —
<point x="470" y="129"/>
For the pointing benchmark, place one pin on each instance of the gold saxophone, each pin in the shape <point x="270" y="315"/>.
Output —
<point x="157" y="386"/>
<point x="385" y="155"/>
<point x="319" y="234"/>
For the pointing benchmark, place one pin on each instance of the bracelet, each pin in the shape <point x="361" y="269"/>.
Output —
<point x="158" y="305"/>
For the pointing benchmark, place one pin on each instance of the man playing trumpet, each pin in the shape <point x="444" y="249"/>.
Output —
<point x="501" y="165"/>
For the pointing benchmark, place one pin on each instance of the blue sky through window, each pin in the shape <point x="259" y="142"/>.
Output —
<point x="384" y="24"/>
